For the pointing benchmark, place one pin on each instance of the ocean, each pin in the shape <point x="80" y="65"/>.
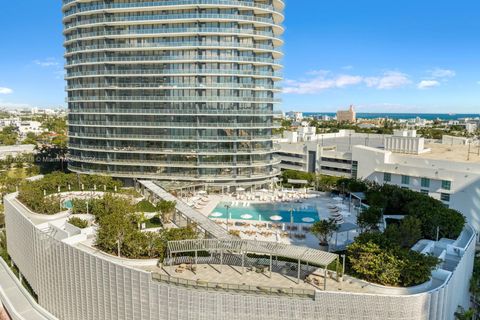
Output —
<point x="405" y="116"/>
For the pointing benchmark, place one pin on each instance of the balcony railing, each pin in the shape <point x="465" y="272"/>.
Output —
<point x="177" y="175"/>
<point x="193" y="112"/>
<point x="175" y="99"/>
<point x="175" y="45"/>
<point x="167" y="30"/>
<point x="217" y="72"/>
<point x="175" y="58"/>
<point x="171" y="17"/>
<point x="173" y="86"/>
<point x="196" y="3"/>
<point x="154" y="124"/>
<point x="183" y="164"/>
<point x="189" y="151"/>
<point x="171" y="137"/>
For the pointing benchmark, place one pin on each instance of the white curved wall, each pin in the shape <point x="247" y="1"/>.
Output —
<point x="74" y="282"/>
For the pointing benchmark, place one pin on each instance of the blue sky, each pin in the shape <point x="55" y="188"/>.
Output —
<point x="382" y="56"/>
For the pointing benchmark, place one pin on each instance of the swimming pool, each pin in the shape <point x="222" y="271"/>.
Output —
<point x="267" y="212"/>
<point x="68" y="204"/>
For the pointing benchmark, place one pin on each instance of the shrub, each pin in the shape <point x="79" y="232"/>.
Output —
<point x="145" y="206"/>
<point x="374" y="264"/>
<point x="376" y="258"/>
<point x="77" y="222"/>
<point x="79" y="206"/>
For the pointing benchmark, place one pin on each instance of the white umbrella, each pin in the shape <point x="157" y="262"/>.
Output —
<point x="246" y="216"/>
<point x="308" y="219"/>
<point x="276" y="218"/>
<point x="216" y="214"/>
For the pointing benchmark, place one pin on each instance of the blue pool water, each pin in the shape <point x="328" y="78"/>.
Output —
<point x="68" y="204"/>
<point x="302" y="213"/>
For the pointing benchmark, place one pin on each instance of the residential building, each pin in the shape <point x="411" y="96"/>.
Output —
<point x="329" y="154"/>
<point x="176" y="91"/>
<point x="347" y="115"/>
<point x="448" y="171"/>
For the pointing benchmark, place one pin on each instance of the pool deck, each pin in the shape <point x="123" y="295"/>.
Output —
<point x="255" y="230"/>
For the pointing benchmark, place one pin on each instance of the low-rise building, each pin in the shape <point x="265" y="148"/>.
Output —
<point x="74" y="280"/>
<point x="448" y="171"/>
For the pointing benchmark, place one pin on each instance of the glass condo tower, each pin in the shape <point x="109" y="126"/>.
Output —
<point x="180" y="90"/>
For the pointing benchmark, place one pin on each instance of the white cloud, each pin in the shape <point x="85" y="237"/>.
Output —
<point x="320" y="83"/>
<point x="322" y="73"/>
<point x="324" y="79"/>
<point x="426" y="84"/>
<point x="5" y="90"/>
<point x="347" y="67"/>
<point x="389" y="80"/>
<point x="48" y="62"/>
<point x="442" y="73"/>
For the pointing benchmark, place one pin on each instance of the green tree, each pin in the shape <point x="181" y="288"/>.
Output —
<point x="167" y="208"/>
<point x="374" y="264"/>
<point x="155" y="246"/>
<point x="30" y="138"/>
<point x="324" y="230"/>
<point x="113" y="229"/>
<point x="462" y="314"/>
<point x="406" y="233"/>
<point x="368" y="219"/>
<point x="416" y="268"/>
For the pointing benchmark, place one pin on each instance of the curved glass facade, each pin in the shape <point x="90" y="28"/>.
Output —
<point x="173" y="90"/>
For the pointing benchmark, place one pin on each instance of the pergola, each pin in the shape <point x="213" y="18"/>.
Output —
<point x="242" y="247"/>
<point x="357" y="195"/>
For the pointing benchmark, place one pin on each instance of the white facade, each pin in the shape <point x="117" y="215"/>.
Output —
<point x="16" y="150"/>
<point x="456" y="183"/>
<point x="74" y="281"/>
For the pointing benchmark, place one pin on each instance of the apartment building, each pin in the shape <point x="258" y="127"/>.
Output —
<point x="173" y="90"/>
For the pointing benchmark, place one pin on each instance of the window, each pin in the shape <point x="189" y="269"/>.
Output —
<point x="405" y="180"/>
<point x="446" y="185"/>
<point x="354" y="169"/>
<point x="425" y="183"/>
<point x="424" y="191"/>
<point x="387" y="177"/>
<point x="445" y="197"/>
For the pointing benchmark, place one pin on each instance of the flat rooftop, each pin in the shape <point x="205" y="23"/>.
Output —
<point x="452" y="153"/>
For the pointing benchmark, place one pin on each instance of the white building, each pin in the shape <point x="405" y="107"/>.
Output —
<point x="328" y="153"/>
<point x="16" y="150"/>
<point x="448" y="171"/>
<point x="75" y="281"/>
<point x="25" y="127"/>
